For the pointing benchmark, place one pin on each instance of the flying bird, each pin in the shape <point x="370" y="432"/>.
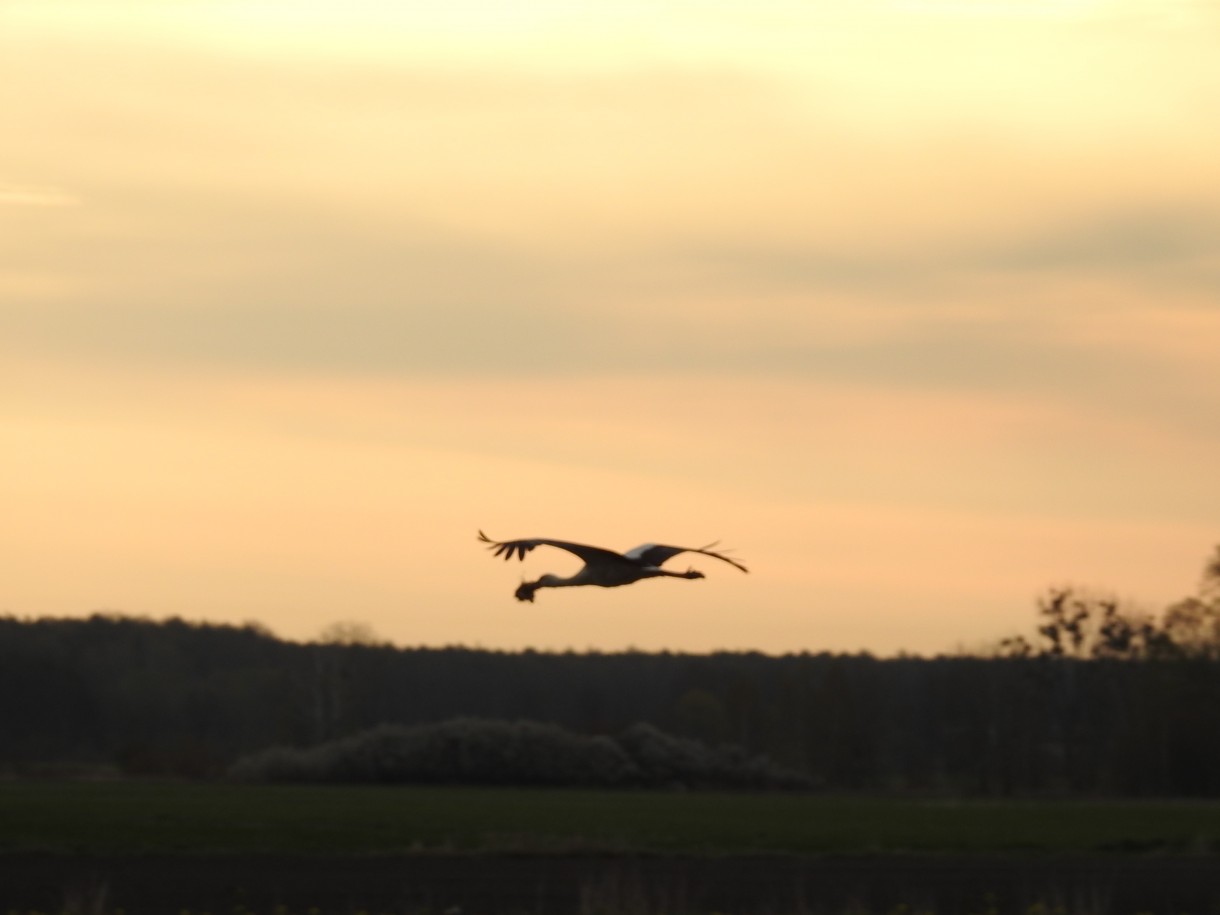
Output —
<point x="604" y="568"/>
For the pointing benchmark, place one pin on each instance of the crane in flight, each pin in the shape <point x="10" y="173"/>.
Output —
<point x="604" y="568"/>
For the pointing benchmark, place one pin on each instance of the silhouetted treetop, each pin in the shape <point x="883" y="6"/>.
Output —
<point x="1081" y="624"/>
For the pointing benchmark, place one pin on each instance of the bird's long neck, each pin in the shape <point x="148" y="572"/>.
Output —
<point x="555" y="581"/>
<point x="527" y="588"/>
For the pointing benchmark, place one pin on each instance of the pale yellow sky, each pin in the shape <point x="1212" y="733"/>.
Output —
<point x="916" y="304"/>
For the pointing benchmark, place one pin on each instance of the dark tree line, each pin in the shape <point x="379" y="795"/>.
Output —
<point x="1100" y="700"/>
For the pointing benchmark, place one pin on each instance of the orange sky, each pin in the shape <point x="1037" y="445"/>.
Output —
<point x="915" y="304"/>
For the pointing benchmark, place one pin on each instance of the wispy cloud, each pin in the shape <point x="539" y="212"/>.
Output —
<point x="33" y="195"/>
<point x="809" y="264"/>
<point x="1128" y="241"/>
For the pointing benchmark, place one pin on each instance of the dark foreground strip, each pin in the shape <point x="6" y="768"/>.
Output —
<point x="565" y="884"/>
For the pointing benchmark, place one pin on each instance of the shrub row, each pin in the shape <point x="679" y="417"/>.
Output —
<point x="489" y="752"/>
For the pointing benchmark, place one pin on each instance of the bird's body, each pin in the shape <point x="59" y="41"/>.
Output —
<point x="603" y="568"/>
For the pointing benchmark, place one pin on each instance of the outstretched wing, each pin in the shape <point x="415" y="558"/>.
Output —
<point x="510" y="548"/>
<point x="652" y="554"/>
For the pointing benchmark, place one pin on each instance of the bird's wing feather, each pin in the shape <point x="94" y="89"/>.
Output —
<point x="510" y="548"/>
<point x="653" y="554"/>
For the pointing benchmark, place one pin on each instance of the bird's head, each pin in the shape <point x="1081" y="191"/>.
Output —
<point x="526" y="591"/>
<point x="693" y="573"/>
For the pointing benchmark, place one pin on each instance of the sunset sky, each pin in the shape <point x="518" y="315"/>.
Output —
<point x="914" y="303"/>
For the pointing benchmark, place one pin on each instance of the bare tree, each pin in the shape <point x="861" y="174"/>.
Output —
<point x="1209" y="588"/>
<point x="330" y="688"/>
<point x="1077" y="624"/>
<point x="349" y="632"/>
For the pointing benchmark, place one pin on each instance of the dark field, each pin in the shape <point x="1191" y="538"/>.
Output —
<point x="131" y="817"/>
<point x="167" y="847"/>
<point x="608" y="884"/>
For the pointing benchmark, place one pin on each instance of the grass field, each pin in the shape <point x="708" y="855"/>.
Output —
<point x="146" y="848"/>
<point x="132" y="817"/>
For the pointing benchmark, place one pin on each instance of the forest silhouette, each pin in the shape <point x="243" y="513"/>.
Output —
<point x="1099" y="700"/>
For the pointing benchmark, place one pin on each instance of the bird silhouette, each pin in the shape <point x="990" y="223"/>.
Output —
<point x="603" y="568"/>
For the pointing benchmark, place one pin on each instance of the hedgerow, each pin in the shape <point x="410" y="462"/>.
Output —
<point x="476" y="751"/>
